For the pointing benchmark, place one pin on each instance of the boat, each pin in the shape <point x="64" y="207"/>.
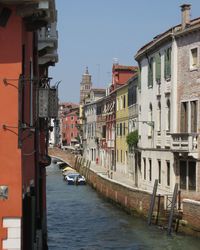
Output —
<point x="75" y="179"/>
<point x="68" y="170"/>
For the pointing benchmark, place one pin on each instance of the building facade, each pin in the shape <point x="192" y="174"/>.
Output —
<point x="25" y="124"/>
<point x="133" y="126"/>
<point x="122" y="129"/>
<point x="168" y="104"/>
<point x="185" y="142"/>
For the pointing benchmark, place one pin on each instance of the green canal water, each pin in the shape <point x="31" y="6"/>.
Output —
<point x="79" y="219"/>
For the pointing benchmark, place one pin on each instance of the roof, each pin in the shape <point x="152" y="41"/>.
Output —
<point x="124" y="67"/>
<point x="98" y="90"/>
<point x="167" y="35"/>
<point x="66" y="104"/>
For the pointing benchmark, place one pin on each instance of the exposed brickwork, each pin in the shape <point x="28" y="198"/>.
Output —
<point x="192" y="214"/>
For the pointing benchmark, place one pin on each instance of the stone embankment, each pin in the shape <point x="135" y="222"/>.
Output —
<point x="120" y="190"/>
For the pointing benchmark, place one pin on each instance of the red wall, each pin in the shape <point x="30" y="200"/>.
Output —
<point x="67" y="122"/>
<point x="10" y="155"/>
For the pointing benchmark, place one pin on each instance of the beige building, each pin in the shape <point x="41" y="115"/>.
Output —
<point x="169" y="108"/>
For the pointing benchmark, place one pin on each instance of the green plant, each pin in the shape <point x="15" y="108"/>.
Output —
<point x="132" y="139"/>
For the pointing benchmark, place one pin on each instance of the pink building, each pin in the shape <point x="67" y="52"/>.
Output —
<point x="69" y="118"/>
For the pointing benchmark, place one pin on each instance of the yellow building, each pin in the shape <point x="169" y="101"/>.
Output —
<point x="122" y="128"/>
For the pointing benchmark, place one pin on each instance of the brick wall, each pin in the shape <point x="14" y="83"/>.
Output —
<point x="191" y="213"/>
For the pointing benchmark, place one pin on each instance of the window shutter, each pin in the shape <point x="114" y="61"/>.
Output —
<point x="182" y="118"/>
<point x="150" y="73"/>
<point x="165" y="65"/>
<point x="169" y="63"/>
<point x="158" y="67"/>
<point x="194" y="116"/>
<point x="139" y="77"/>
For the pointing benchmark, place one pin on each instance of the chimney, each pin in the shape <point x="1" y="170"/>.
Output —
<point x="185" y="8"/>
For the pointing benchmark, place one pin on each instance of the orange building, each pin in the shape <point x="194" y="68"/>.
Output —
<point x="24" y="62"/>
<point x="121" y="74"/>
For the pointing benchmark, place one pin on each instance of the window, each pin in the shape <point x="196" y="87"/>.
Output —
<point x="72" y="135"/>
<point x="72" y="125"/>
<point x="124" y="101"/>
<point x="188" y="175"/>
<point x="150" y="170"/>
<point x="168" y="114"/>
<point x="121" y="102"/>
<point x="150" y="119"/>
<point x="120" y="129"/>
<point x="193" y="58"/>
<point x="72" y="118"/>
<point x="193" y="106"/>
<point x="168" y="173"/>
<point x="104" y="131"/>
<point x="167" y="66"/>
<point x="158" y="67"/>
<point x="124" y="128"/>
<point x="159" y="116"/>
<point x="159" y="171"/>
<point x="132" y="94"/>
<point x="150" y="73"/>
<point x="184" y="117"/>
<point x="139" y="76"/>
<point x="192" y="175"/>
<point x="145" y="170"/>
<point x="117" y="104"/>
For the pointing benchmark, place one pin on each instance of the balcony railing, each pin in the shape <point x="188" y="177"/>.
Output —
<point x="110" y="143"/>
<point x="167" y="87"/>
<point x="185" y="142"/>
<point x="48" y="37"/>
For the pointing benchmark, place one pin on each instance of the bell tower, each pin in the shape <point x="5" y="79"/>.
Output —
<point x="86" y="85"/>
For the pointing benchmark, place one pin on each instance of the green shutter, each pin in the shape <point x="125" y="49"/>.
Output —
<point x="168" y="63"/>
<point x="158" y="67"/>
<point x="150" y="73"/>
<point x="165" y="65"/>
<point x="139" y="77"/>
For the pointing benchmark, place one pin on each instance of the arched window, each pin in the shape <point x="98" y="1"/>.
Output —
<point x="159" y="116"/>
<point x="150" y="119"/>
<point x="168" y="115"/>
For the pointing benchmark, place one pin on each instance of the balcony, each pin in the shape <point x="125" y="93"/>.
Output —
<point x="133" y="110"/>
<point x="158" y="90"/>
<point x="110" y="143"/>
<point x="103" y="143"/>
<point x="167" y="87"/>
<point x="185" y="142"/>
<point x="48" y="37"/>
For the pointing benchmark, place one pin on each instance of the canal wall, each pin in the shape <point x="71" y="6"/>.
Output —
<point x="133" y="200"/>
<point x="191" y="217"/>
<point x="137" y="202"/>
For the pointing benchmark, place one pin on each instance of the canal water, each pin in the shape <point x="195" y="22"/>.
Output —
<point x="79" y="219"/>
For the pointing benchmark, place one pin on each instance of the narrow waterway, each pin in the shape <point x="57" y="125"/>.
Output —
<point x="79" y="219"/>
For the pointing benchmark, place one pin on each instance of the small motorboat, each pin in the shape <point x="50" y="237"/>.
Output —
<point x="75" y="179"/>
<point x="68" y="170"/>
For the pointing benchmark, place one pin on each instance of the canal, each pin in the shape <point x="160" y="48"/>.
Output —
<point x="79" y="219"/>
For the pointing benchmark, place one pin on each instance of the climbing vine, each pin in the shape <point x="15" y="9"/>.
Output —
<point x="132" y="139"/>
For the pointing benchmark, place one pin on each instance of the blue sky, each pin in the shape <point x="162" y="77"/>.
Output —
<point x="94" y="32"/>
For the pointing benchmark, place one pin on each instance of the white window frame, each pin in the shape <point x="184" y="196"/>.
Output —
<point x="194" y="67"/>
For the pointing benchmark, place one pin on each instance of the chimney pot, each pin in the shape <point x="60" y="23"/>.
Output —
<point x="185" y="8"/>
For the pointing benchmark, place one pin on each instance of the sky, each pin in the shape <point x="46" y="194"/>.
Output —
<point x="94" y="33"/>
